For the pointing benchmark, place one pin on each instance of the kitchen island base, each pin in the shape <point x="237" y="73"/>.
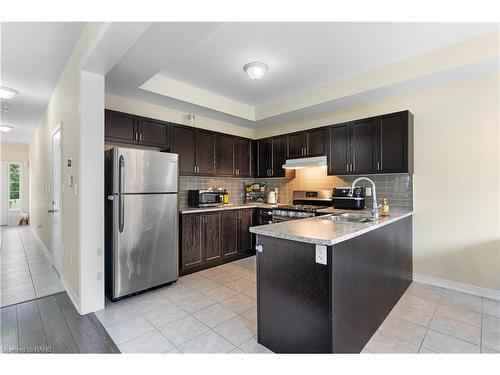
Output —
<point x="307" y="307"/>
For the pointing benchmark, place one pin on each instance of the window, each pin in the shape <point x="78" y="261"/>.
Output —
<point x="14" y="178"/>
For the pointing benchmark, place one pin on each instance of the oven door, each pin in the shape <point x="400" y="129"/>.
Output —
<point x="280" y="219"/>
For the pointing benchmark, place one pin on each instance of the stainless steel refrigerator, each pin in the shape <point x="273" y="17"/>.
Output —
<point x="141" y="220"/>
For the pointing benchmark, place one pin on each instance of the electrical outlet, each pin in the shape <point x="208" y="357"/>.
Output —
<point x="321" y="254"/>
<point x="368" y="191"/>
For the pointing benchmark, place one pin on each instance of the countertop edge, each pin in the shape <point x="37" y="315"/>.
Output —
<point x="225" y="208"/>
<point x="315" y="241"/>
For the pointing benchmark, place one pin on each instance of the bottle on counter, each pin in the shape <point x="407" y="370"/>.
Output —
<point x="225" y="197"/>
<point x="385" y="208"/>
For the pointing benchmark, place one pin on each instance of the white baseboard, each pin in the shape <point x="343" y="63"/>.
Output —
<point x="42" y="245"/>
<point x="459" y="287"/>
<point x="71" y="293"/>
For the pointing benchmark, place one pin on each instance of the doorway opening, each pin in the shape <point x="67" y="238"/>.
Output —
<point x="12" y="193"/>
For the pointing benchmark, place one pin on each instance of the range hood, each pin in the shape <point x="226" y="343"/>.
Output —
<point x="313" y="162"/>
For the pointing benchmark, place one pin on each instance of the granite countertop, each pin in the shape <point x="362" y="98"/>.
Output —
<point x="325" y="232"/>
<point x="230" y="206"/>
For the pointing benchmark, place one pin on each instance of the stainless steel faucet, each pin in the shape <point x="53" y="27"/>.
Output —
<point x="374" y="194"/>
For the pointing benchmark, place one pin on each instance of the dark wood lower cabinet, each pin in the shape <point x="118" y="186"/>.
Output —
<point x="212" y="238"/>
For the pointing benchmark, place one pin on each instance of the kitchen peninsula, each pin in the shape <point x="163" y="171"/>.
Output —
<point x="325" y="284"/>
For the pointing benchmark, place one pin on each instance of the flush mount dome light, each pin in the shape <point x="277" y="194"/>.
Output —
<point x="7" y="93"/>
<point x="5" y="128"/>
<point x="255" y="70"/>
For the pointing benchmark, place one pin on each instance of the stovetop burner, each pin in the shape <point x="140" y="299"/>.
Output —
<point x="301" y="207"/>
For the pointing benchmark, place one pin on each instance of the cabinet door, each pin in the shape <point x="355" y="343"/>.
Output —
<point x="120" y="127"/>
<point x="225" y="155"/>
<point x="278" y="156"/>
<point x="338" y="148"/>
<point x="392" y="144"/>
<point x="243" y="156"/>
<point x="264" y="148"/>
<point x="297" y="145"/>
<point x="244" y="236"/>
<point x="191" y="249"/>
<point x="229" y="237"/>
<point x="211" y="236"/>
<point x="183" y="143"/>
<point x="316" y="142"/>
<point x="205" y="152"/>
<point x="362" y="147"/>
<point x="154" y="133"/>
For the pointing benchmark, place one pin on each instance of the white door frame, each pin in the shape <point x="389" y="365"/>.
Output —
<point x="56" y="233"/>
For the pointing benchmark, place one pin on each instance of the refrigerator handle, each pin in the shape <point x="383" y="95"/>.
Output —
<point x="121" y="208"/>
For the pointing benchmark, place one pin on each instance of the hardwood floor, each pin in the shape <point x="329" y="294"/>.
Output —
<point x="52" y="325"/>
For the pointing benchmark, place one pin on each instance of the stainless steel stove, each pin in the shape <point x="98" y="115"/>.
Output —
<point x="305" y="204"/>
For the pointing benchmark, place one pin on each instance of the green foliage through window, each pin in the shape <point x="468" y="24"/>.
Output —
<point x="14" y="172"/>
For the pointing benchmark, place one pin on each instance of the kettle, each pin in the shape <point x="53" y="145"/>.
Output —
<point x="272" y="197"/>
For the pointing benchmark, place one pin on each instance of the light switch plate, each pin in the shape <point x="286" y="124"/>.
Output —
<point x="321" y="254"/>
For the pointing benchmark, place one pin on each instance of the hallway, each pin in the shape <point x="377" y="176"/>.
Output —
<point x="25" y="271"/>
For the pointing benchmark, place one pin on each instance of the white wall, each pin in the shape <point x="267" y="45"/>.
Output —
<point x="63" y="107"/>
<point x="456" y="230"/>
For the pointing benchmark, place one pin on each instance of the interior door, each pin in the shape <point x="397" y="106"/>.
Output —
<point x="145" y="248"/>
<point x="55" y="210"/>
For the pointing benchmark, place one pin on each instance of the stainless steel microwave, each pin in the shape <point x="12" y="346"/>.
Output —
<point x="205" y="198"/>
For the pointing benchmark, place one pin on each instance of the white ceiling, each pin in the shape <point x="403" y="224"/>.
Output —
<point x="300" y="56"/>
<point x="33" y="55"/>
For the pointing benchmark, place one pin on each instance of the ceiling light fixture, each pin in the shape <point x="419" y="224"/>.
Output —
<point x="255" y="70"/>
<point x="6" y="128"/>
<point x="7" y="93"/>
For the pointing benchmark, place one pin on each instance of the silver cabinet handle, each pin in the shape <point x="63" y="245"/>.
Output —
<point x="347" y="167"/>
<point x="378" y="166"/>
<point x="259" y="248"/>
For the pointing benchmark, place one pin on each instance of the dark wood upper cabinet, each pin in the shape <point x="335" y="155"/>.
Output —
<point x="210" y="235"/>
<point x="225" y="155"/>
<point x="245" y="221"/>
<point x="316" y="142"/>
<point x="393" y="139"/>
<point x="205" y="153"/>
<point x="278" y="156"/>
<point x="264" y="154"/>
<point x="362" y="147"/>
<point x="297" y="145"/>
<point x="183" y="143"/>
<point x="154" y="133"/>
<point x="338" y="150"/>
<point x="120" y="127"/>
<point x="229" y="238"/>
<point x="243" y="157"/>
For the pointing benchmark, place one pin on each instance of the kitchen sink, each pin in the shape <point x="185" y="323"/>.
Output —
<point x="349" y="218"/>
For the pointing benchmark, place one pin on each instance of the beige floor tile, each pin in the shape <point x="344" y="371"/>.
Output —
<point x="177" y="292"/>
<point x="241" y="285"/>
<point x="164" y="315"/>
<point x="220" y="293"/>
<point x="417" y="302"/>
<point x="225" y="278"/>
<point x="129" y="329"/>
<point x="441" y="343"/>
<point x="214" y="315"/>
<point x="459" y="314"/>
<point x="208" y="342"/>
<point x="491" y="307"/>
<point x="252" y="293"/>
<point x="404" y="330"/>
<point x="152" y="342"/>
<point x="117" y="312"/>
<point x="462" y="300"/>
<point x="195" y="302"/>
<point x="412" y="315"/>
<point x="456" y="329"/>
<point x="203" y="285"/>
<point x="491" y="333"/>
<point x="252" y="346"/>
<point x="150" y="301"/>
<point x="237" y="330"/>
<point x="428" y="292"/>
<point x="250" y="314"/>
<point x="239" y="303"/>
<point x="182" y="330"/>
<point x="384" y="343"/>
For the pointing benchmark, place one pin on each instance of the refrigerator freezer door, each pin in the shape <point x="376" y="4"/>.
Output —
<point x="142" y="171"/>
<point x="145" y="244"/>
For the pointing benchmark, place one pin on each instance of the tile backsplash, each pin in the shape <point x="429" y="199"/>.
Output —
<point x="397" y="188"/>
